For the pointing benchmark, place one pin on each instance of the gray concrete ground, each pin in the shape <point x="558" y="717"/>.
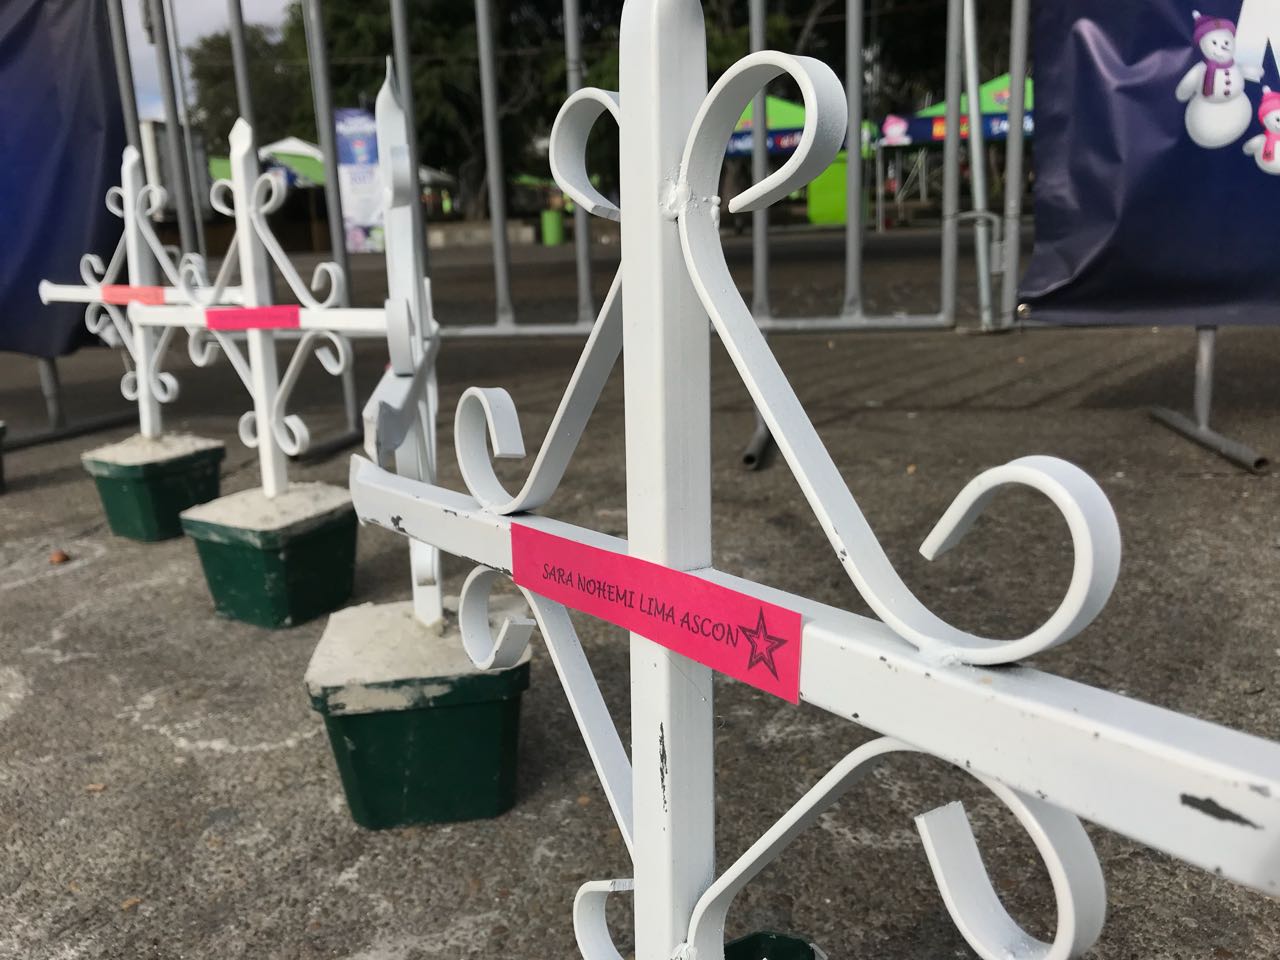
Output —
<point x="166" y="792"/>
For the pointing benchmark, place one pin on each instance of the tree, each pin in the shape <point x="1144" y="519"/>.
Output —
<point x="278" y="86"/>
<point x="905" y="49"/>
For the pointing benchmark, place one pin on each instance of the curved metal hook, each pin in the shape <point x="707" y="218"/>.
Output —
<point x="590" y="925"/>
<point x="567" y="150"/>
<point x="957" y="866"/>
<point x="289" y="430"/>
<point x="506" y="649"/>
<point x="490" y="412"/>
<point x="266" y="198"/>
<point x="1095" y="533"/>
<point x="825" y="121"/>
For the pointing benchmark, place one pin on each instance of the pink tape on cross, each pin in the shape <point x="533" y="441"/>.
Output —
<point x="732" y="632"/>
<point x="284" y="316"/>
<point x="120" y="294"/>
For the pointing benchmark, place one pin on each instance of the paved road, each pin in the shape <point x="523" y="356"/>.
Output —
<point x="166" y="792"/>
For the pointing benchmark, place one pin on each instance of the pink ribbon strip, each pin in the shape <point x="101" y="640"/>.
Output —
<point x="731" y="632"/>
<point x="285" y="316"/>
<point x="121" y="294"/>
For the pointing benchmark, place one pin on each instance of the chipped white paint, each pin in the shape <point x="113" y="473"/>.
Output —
<point x="1048" y="749"/>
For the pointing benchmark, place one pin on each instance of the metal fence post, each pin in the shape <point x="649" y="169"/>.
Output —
<point x="853" y="162"/>
<point x="662" y="75"/>
<point x="1011" y="246"/>
<point x="178" y="170"/>
<point x="493" y="164"/>
<point x="322" y="96"/>
<point x="255" y="285"/>
<point x="581" y="219"/>
<point x="977" y="165"/>
<point x="124" y="73"/>
<point x="951" y="164"/>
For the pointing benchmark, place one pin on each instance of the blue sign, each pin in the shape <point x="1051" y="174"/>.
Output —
<point x="357" y="142"/>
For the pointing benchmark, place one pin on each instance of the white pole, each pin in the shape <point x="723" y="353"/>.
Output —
<point x="142" y="272"/>
<point x="255" y="287"/>
<point x="977" y="164"/>
<point x="663" y="78"/>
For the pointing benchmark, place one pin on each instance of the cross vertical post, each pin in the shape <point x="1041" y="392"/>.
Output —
<point x="663" y="76"/>
<point x="409" y="326"/>
<point x="255" y="283"/>
<point x="142" y="272"/>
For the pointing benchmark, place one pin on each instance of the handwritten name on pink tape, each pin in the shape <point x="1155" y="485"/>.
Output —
<point x="735" y="633"/>
<point x="120" y="294"/>
<point x="284" y="316"/>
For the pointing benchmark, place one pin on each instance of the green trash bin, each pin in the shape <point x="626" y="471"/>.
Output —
<point x="552" y="228"/>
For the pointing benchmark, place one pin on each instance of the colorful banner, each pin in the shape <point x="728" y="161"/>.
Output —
<point x="358" y="185"/>
<point x="1157" y="163"/>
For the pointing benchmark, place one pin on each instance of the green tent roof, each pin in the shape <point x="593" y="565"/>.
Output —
<point x="307" y="168"/>
<point x="993" y="97"/>
<point x="781" y="115"/>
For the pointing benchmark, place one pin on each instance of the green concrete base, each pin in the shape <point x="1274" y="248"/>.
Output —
<point x="276" y="562"/>
<point x="145" y="483"/>
<point x="771" y="946"/>
<point x="419" y="734"/>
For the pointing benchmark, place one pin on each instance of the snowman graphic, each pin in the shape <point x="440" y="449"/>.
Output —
<point x="1218" y="112"/>
<point x="1265" y="147"/>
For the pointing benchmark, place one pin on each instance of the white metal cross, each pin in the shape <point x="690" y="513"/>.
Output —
<point x="143" y="258"/>
<point x="324" y="327"/>
<point x="1051" y="750"/>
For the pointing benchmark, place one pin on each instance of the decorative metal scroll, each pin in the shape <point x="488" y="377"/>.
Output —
<point x="107" y="290"/>
<point x="321" y="325"/>
<point x="1051" y="750"/>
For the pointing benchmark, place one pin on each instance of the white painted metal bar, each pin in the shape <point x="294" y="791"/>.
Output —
<point x="496" y="176"/>
<point x="663" y="76"/>
<point x="255" y="283"/>
<point x="977" y="165"/>
<point x="1049" y="749"/>
<point x="1011" y="244"/>
<point x="1138" y="769"/>
<point x="348" y="321"/>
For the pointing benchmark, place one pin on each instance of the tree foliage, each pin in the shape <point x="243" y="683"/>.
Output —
<point x="904" y="53"/>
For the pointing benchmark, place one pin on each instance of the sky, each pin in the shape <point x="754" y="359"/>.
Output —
<point x="195" y="18"/>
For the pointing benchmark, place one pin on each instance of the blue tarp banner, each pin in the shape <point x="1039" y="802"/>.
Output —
<point x="61" y="135"/>
<point x="1157" y="163"/>
<point x="932" y="131"/>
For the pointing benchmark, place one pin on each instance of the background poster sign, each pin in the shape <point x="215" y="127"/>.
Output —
<point x="358" y="180"/>
<point x="1157" y="162"/>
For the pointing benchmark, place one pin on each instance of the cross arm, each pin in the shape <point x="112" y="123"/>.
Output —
<point x="1201" y="792"/>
